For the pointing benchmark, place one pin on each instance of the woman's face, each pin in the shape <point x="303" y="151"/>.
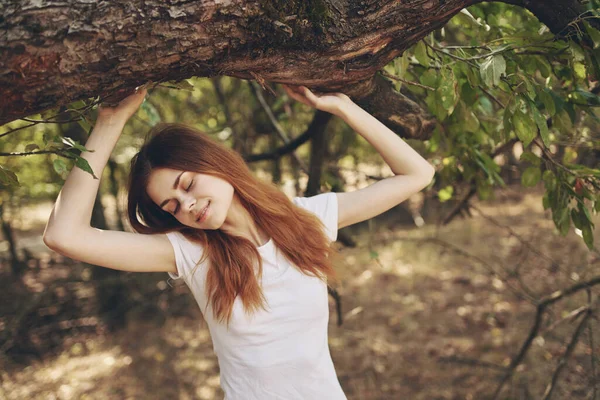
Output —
<point x="187" y="194"/>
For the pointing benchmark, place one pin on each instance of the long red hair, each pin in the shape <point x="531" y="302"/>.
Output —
<point x="297" y="233"/>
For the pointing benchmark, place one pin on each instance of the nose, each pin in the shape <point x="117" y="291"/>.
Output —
<point x="189" y="203"/>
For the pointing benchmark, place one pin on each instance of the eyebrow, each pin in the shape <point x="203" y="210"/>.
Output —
<point x="174" y="187"/>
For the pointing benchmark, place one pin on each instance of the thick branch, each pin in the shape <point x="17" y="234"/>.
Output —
<point x="54" y="53"/>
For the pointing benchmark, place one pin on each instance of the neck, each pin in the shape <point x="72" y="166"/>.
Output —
<point x="239" y="222"/>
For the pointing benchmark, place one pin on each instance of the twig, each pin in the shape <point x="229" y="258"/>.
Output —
<point x="396" y="78"/>
<point x="485" y="264"/>
<point x="563" y="361"/>
<point x="541" y="307"/>
<point x="484" y="90"/>
<point x="472" y="362"/>
<point x="516" y="235"/>
<point x="17" y="129"/>
<point x="30" y="153"/>
<point x="456" y="210"/>
<point x="592" y="358"/>
<point x="282" y="134"/>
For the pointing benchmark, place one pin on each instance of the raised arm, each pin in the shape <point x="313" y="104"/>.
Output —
<point x="412" y="172"/>
<point x="68" y="230"/>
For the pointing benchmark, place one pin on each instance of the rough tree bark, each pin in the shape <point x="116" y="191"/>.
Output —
<point x="55" y="52"/>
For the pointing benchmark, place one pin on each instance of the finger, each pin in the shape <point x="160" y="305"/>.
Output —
<point x="309" y="95"/>
<point x="298" y="97"/>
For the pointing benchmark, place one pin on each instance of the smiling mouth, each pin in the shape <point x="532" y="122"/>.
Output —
<point x="203" y="213"/>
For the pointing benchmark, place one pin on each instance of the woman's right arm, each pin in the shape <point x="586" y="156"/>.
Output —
<point x="69" y="231"/>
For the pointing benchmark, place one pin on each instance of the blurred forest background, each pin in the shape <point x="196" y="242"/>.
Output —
<point x="485" y="285"/>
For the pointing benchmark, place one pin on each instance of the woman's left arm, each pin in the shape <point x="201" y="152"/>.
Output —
<point x="412" y="172"/>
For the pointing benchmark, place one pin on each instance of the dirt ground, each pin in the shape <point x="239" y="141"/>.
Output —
<point x="428" y="313"/>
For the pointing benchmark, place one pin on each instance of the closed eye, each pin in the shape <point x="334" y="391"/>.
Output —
<point x="187" y="190"/>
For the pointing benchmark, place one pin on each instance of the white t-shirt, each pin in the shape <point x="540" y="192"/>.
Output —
<point x="281" y="353"/>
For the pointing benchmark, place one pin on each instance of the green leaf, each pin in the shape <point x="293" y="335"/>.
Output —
<point x="585" y="214"/>
<point x="31" y="147"/>
<point x="576" y="52"/>
<point x="576" y="218"/>
<point x="447" y="91"/>
<point x="524" y="127"/>
<point x="492" y="69"/>
<point x="473" y="77"/>
<point x="530" y="157"/>
<point x="563" y="221"/>
<point x="563" y="122"/>
<point x="549" y="180"/>
<point x="529" y="88"/>
<point x="8" y="178"/>
<point x="540" y="121"/>
<point x="74" y="144"/>
<point x="373" y="254"/>
<point x="84" y="165"/>
<point x="543" y="66"/>
<point x="182" y="85"/>
<point x="446" y="193"/>
<point x="151" y="112"/>
<point x="435" y="106"/>
<point x="60" y="167"/>
<point x="531" y="176"/>
<point x="579" y="70"/>
<point x="586" y="97"/>
<point x="421" y="55"/>
<point x="85" y="124"/>
<point x="588" y="236"/>
<point x="546" y="98"/>
<point x="546" y="201"/>
<point x="429" y="78"/>
<point x="594" y="34"/>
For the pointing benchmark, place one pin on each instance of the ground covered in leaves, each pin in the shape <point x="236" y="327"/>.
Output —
<point x="429" y="313"/>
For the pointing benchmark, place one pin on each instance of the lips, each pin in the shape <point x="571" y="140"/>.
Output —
<point x="201" y="216"/>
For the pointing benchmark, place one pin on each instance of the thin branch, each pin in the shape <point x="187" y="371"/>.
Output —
<point x="541" y="307"/>
<point x="17" y="129"/>
<point x="516" y="235"/>
<point x="464" y="201"/>
<point x="396" y="78"/>
<point x="592" y="358"/>
<point x="472" y="362"/>
<point x="458" y="250"/>
<point x="30" y="153"/>
<point x="484" y="90"/>
<point x="278" y="128"/>
<point x="563" y="361"/>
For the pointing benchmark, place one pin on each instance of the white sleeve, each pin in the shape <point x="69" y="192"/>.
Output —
<point x="187" y="254"/>
<point x="324" y="206"/>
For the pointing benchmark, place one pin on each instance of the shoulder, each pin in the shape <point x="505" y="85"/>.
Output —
<point x="187" y="253"/>
<point x="318" y="203"/>
<point x="324" y="206"/>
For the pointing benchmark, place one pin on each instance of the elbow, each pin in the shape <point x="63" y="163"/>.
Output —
<point x="51" y="241"/>
<point x="428" y="175"/>
<point x="54" y="241"/>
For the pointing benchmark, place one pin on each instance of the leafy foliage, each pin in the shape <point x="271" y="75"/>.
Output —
<point x="498" y="75"/>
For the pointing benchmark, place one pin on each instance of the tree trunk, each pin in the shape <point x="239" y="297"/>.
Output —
<point x="114" y="191"/>
<point x="17" y="266"/>
<point x="318" y="146"/>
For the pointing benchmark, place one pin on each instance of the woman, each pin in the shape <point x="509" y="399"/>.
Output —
<point x="256" y="262"/>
